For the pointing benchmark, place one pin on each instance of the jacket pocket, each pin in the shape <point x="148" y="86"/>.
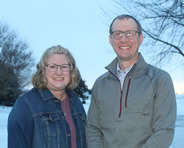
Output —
<point x="80" y="119"/>
<point x="51" y="129"/>
<point x="50" y="117"/>
<point x="50" y="121"/>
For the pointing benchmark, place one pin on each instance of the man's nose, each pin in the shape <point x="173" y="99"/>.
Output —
<point x="123" y="38"/>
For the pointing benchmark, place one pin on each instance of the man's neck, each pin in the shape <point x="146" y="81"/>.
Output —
<point x="126" y="64"/>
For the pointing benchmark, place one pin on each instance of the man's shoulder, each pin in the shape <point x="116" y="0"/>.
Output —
<point x="154" y="71"/>
<point x="103" y="76"/>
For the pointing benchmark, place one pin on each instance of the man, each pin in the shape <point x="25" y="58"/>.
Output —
<point x="133" y="105"/>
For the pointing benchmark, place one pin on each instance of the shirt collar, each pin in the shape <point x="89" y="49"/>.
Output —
<point x="121" y="71"/>
<point x="47" y="95"/>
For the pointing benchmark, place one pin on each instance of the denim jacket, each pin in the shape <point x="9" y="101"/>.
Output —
<point x="37" y="121"/>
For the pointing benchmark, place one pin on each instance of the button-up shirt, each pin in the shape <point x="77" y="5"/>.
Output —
<point x="122" y="73"/>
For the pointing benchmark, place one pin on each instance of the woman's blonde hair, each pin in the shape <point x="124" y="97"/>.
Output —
<point x="39" y="80"/>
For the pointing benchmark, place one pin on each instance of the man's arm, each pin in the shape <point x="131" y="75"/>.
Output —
<point x="93" y="131"/>
<point x="164" y="114"/>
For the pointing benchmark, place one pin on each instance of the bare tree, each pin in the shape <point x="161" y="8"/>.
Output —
<point x="163" y="25"/>
<point x="16" y="63"/>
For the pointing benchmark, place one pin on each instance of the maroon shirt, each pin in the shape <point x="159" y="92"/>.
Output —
<point x="66" y="109"/>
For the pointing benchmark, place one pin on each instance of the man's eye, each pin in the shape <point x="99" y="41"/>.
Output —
<point x="118" y="33"/>
<point x="129" y="34"/>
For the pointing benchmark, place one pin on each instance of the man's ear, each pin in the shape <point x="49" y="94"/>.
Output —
<point x="140" y="39"/>
<point x="110" y="39"/>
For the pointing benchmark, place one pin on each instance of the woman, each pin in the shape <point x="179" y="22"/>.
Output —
<point x="50" y="115"/>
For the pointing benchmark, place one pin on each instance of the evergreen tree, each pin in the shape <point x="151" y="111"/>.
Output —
<point x="82" y="90"/>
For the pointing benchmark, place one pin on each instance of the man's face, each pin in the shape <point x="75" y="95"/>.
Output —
<point x="125" y="48"/>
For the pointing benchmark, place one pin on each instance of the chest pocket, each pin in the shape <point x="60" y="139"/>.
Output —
<point x="52" y="129"/>
<point x="50" y="117"/>
<point x="79" y="118"/>
<point x="51" y="122"/>
<point x="140" y="98"/>
<point x="80" y="121"/>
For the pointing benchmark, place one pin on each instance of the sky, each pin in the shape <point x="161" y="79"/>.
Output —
<point x="80" y="26"/>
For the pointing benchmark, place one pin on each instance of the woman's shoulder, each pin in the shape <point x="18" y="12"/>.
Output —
<point x="32" y="91"/>
<point x="72" y="94"/>
<point x="30" y="97"/>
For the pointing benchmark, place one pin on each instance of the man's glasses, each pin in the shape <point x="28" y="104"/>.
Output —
<point x="117" y="34"/>
<point x="54" y="67"/>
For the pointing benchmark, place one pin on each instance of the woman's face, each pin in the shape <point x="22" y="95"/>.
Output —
<point x="57" y="73"/>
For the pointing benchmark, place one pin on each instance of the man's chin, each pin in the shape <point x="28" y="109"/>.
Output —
<point x="129" y="58"/>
